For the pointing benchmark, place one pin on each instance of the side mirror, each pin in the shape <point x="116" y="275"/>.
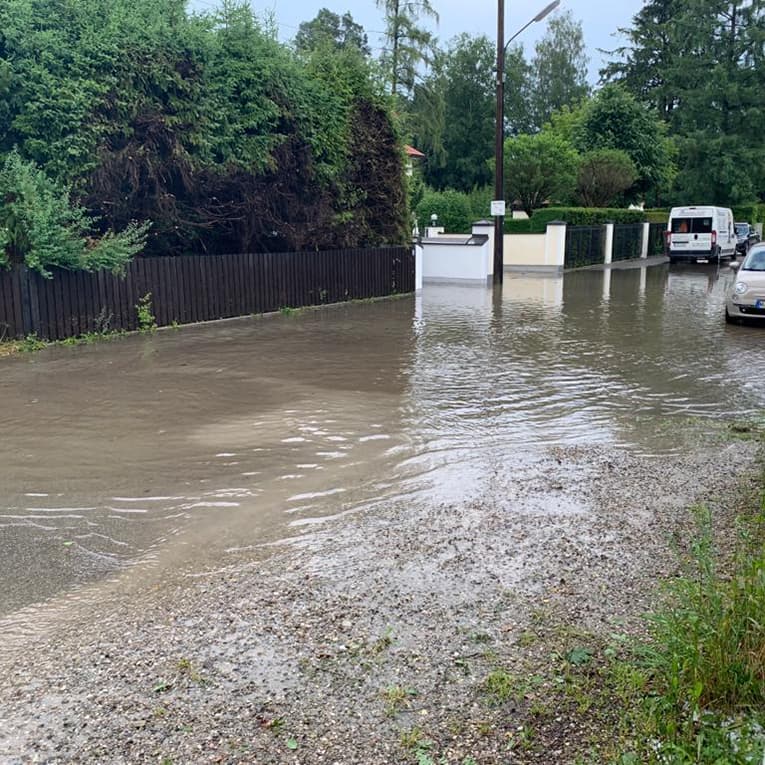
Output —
<point x="735" y="265"/>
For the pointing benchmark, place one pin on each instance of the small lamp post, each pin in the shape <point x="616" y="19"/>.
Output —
<point x="498" y="210"/>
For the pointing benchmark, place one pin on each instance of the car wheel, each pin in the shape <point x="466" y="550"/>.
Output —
<point x="728" y="318"/>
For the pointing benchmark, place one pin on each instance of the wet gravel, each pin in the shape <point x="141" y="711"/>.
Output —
<point x="370" y="641"/>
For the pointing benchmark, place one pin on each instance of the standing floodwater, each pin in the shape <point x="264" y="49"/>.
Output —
<point x="187" y="447"/>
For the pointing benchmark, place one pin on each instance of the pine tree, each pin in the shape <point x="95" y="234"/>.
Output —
<point x="408" y="44"/>
<point x="558" y="69"/>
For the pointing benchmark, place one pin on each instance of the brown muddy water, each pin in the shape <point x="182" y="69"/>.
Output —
<point x="128" y="460"/>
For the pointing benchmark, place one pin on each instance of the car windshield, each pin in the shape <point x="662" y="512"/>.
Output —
<point x="742" y="229"/>
<point x="691" y="225"/>
<point x="755" y="261"/>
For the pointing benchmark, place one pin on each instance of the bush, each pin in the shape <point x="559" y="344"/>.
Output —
<point x="754" y="213"/>
<point x="582" y="216"/>
<point x="452" y="207"/>
<point x="539" y="168"/>
<point x="480" y="202"/>
<point x="657" y="215"/>
<point x="603" y="175"/>
<point x="39" y="226"/>
<point x="517" y="225"/>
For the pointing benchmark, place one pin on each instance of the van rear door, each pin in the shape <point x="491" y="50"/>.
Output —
<point x="691" y="234"/>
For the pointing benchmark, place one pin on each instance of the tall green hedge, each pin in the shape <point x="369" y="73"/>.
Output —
<point x="205" y="124"/>
<point x="752" y="213"/>
<point x="573" y="216"/>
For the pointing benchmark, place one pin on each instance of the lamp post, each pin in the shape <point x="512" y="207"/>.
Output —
<point x="499" y="136"/>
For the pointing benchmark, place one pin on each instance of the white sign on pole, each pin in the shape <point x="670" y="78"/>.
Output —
<point x="498" y="207"/>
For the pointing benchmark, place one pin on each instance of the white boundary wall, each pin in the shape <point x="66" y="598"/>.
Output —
<point x="446" y="262"/>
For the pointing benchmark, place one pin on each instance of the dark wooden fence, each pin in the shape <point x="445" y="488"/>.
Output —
<point x="194" y="288"/>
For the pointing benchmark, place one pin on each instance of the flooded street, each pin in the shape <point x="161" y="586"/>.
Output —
<point x="313" y="537"/>
<point x="189" y="448"/>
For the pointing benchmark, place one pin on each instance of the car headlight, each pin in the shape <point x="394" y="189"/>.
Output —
<point x="741" y="288"/>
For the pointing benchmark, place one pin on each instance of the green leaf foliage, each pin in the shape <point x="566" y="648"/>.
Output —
<point x="453" y="209"/>
<point x="453" y="115"/>
<point x="574" y="216"/>
<point x="40" y="227"/>
<point x="204" y="124"/>
<point x="539" y="169"/>
<point x="328" y="28"/>
<point x="558" y="69"/>
<point x="615" y="120"/>
<point x="602" y="176"/>
<point x="699" y="63"/>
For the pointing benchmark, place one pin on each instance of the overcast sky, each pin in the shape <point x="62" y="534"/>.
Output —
<point x="599" y="19"/>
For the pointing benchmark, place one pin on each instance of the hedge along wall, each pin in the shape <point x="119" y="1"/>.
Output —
<point x="754" y="213"/>
<point x="573" y="216"/>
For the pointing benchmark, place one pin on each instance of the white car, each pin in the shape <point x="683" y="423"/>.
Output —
<point x="747" y="298"/>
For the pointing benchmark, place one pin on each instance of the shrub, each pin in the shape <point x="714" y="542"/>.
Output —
<point x="754" y="213"/>
<point x="480" y="202"/>
<point x="582" y="216"/>
<point x="452" y="207"/>
<point x="41" y="227"/>
<point x="517" y="225"/>
<point x="657" y="215"/>
<point x="603" y="175"/>
<point x="539" y="168"/>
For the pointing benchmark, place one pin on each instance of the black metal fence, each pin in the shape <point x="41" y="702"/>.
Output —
<point x="584" y="246"/>
<point x="195" y="288"/>
<point x="628" y="238"/>
<point x="656" y="238"/>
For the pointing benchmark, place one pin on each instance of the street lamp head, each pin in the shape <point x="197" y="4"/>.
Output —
<point x="547" y="10"/>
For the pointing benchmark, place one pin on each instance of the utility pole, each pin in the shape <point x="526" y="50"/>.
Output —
<point x="499" y="138"/>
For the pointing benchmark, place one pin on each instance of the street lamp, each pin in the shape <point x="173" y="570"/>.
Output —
<point x="499" y="147"/>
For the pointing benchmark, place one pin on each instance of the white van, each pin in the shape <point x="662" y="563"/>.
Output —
<point x="701" y="234"/>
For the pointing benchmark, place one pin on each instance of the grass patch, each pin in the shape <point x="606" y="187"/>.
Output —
<point x="32" y="343"/>
<point x="692" y="688"/>
<point x="397" y="698"/>
<point x="500" y="686"/>
<point x="700" y="679"/>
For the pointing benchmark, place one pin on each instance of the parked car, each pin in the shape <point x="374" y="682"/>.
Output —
<point x="746" y="236"/>
<point x="746" y="299"/>
<point x="700" y="234"/>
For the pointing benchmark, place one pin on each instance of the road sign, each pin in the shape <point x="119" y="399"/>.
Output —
<point x="498" y="207"/>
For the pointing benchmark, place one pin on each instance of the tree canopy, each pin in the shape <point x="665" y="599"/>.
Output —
<point x="700" y="64"/>
<point x="539" y="169"/>
<point x="409" y="44"/>
<point x="203" y="124"/>
<point x="558" y="69"/>
<point x="453" y="115"/>
<point x="328" y="28"/>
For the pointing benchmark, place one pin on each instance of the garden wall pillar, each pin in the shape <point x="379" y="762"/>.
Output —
<point x="644" y="240"/>
<point x="608" y="254"/>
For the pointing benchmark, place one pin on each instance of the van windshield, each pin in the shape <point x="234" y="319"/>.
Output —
<point x="691" y="225"/>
